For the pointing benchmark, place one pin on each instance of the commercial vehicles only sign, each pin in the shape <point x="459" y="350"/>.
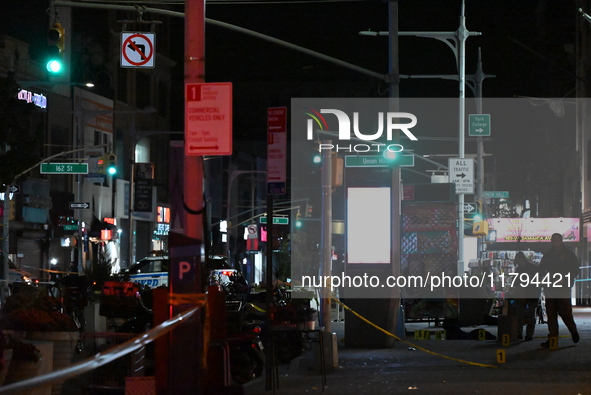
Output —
<point x="208" y="119"/>
<point x="461" y="173"/>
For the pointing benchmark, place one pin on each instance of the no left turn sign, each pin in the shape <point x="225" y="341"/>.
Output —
<point x="137" y="50"/>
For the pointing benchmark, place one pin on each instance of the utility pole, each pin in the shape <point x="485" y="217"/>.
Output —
<point x="462" y="35"/>
<point x="396" y="196"/>
<point x="326" y="235"/>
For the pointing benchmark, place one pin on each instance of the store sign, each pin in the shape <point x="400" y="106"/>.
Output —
<point x="534" y="229"/>
<point x="36" y="98"/>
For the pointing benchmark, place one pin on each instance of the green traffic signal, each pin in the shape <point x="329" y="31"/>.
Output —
<point x="55" y="49"/>
<point x="391" y="156"/>
<point x="54" y="66"/>
<point x="111" y="164"/>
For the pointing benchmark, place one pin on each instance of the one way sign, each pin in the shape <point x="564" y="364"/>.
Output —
<point x="470" y="208"/>
<point x="79" y="205"/>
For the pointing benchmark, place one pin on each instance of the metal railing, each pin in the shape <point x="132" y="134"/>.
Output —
<point x="102" y="358"/>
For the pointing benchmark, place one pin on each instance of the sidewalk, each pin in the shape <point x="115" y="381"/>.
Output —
<point x="449" y="366"/>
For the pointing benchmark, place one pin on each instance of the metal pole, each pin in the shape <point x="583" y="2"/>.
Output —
<point x="270" y="378"/>
<point x="194" y="73"/>
<point x="461" y="34"/>
<point x="479" y="148"/>
<point x="131" y="244"/>
<point x="5" y="246"/>
<point x="395" y="198"/>
<point x="326" y="234"/>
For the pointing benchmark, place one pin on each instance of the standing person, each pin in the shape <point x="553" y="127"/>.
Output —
<point x="558" y="263"/>
<point x="526" y="296"/>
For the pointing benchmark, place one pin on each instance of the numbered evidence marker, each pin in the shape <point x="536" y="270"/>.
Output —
<point x="501" y="356"/>
<point x="506" y="339"/>
<point x="553" y="342"/>
<point x="422" y="334"/>
<point x="481" y="334"/>
<point x="440" y="335"/>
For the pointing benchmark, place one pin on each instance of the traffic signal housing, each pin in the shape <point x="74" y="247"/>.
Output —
<point x="107" y="164"/>
<point x="55" y="49"/>
<point x="111" y="164"/>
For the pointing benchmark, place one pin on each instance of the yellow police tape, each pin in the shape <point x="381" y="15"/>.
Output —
<point x="177" y="299"/>
<point x="409" y="343"/>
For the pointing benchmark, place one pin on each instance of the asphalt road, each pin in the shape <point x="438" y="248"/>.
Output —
<point x="448" y="366"/>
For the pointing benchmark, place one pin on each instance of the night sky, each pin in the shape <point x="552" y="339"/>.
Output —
<point x="526" y="44"/>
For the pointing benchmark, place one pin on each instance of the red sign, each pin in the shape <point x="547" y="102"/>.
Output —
<point x="277" y="119"/>
<point x="408" y="192"/>
<point x="208" y="119"/>
<point x="276" y="150"/>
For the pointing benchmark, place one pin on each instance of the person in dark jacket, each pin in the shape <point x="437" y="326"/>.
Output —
<point x="525" y="296"/>
<point x="558" y="269"/>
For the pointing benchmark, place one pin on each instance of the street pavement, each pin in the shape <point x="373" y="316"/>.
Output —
<point x="447" y="366"/>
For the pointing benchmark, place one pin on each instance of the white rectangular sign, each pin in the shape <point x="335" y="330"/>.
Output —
<point x="461" y="172"/>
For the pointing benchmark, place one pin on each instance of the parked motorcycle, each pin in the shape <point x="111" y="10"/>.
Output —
<point x="247" y="359"/>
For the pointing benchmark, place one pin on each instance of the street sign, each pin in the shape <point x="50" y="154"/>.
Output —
<point x="252" y="232"/>
<point x="14" y="189"/>
<point x="378" y="161"/>
<point x="479" y="125"/>
<point x="276" y="150"/>
<point x="496" y="194"/>
<point x="64" y="168"/>
<point x="79" y="205"/>
<point x="470" y="208"/>
<point x="208" y="119"/>
<point x="461" y="172"/>
<point x="137" y="49"/>
<point x="70" y="227"/>
<point x="276" y="220"/>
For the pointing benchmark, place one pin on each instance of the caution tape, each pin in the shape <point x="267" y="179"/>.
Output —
<point x="257" y="308"/>
<point x="177" y="299"/>
<point x="48" y="270"/>
<point x="356" y="314"/>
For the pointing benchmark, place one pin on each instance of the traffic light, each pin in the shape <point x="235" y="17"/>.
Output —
<point x="395" y="156"/>
<point x="55" y="49"/>
<point x="298" y="221"/>
<point x="111" y="163"/>
<point x="309" y="210"/>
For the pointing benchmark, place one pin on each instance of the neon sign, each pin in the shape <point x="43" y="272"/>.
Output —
<point x="36" y="98"/>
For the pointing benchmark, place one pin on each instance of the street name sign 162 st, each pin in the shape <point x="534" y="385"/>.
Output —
<point x="64" y="168"/>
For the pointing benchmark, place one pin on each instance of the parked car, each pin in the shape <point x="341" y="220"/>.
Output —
<point x="21" y="276"/>
<point x="151" y="271"/>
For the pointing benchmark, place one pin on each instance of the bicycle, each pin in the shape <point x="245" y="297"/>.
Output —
<point x="73" y="294"/>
